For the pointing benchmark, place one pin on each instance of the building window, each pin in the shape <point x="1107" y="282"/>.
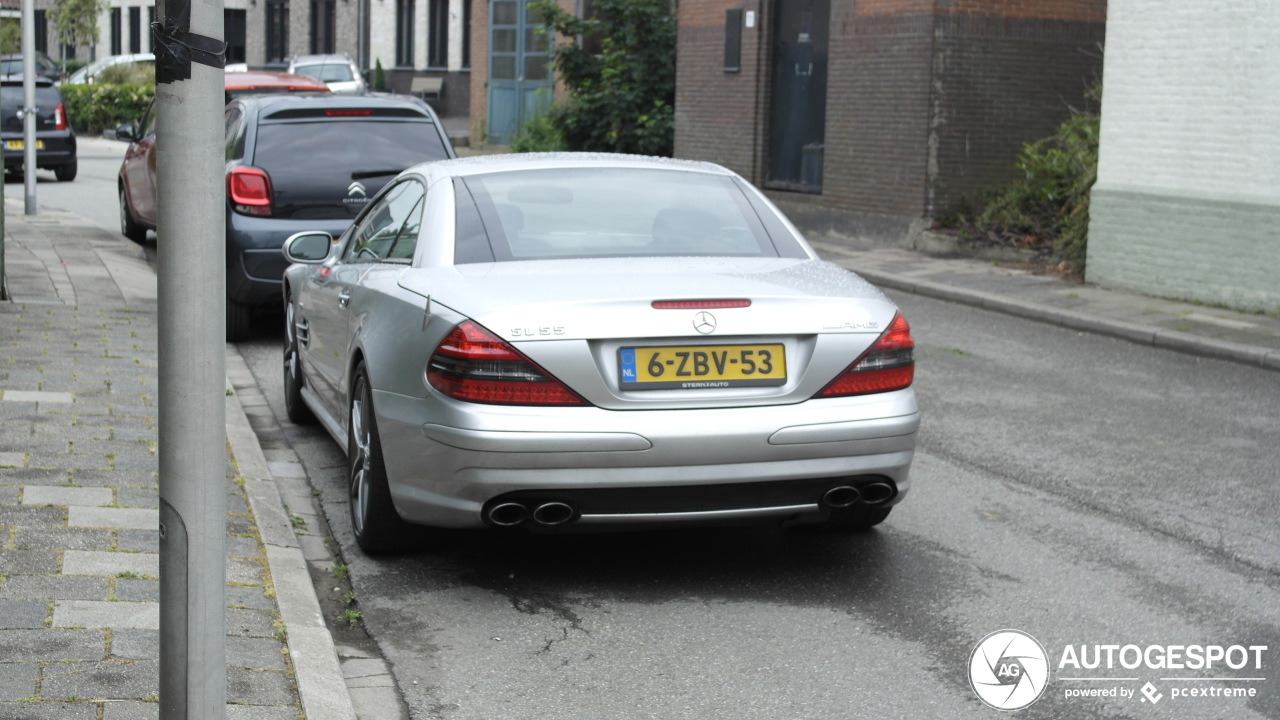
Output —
<point x="277" y="30"/>
<point x="233" y="24"/>
<point x="404" y="33"/>
<point x="116" y="30"/>
<point x="323" y="25"/>
<point x="466" y="34"/>
<point x="135" y="29"/>
<point x="42" y="32"/>
<point x="438" y="33"/>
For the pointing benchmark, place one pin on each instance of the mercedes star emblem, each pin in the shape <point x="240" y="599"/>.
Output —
<point x="704" y="322"/>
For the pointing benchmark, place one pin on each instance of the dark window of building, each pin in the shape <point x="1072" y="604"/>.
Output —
<point x="233" y="22"/>
<point x="733" y="40"/>
<point x="277" y="30"/>
<point x="116" y="30"/>
<point x="466" y="33"/>
<point x="135" y="29"/>
<point x="404" y="33"/>
<point x="438" y="33"/>
<point x="323" y="25"/>
<point x="42" y="32"/>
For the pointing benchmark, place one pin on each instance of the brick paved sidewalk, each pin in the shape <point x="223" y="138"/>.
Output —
<point x="79" y="612"/>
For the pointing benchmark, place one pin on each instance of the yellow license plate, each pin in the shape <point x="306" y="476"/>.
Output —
<point x="18" y="145"/>
<point x="692" y="367"/>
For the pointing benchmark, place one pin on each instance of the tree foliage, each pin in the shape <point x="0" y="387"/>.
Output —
<point x="10" y="35"/>
<point x="622" y="93"/>
<point x="76" y="21"/>
<point x="1047" y="210"/>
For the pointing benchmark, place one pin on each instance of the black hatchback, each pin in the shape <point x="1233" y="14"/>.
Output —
<point x="300" y="161"/>
<point x="55" y="138"/>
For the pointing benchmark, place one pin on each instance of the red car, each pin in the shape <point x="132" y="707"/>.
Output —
<point x="137" y="182"/>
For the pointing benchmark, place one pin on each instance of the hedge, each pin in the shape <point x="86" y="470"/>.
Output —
<point x="96" y="107"/>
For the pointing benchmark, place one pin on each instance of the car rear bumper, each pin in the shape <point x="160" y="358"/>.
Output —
<point x="57" y="151"/>
<point x="255" y="262"/>
<point x="635" y="467"/>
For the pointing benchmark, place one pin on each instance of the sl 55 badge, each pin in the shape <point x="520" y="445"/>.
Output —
<point x="546" y="331"/>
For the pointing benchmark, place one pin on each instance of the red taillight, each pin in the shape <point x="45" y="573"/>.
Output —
<point x="698" y="304"/>
<point x="887" y="365"/>
<point x="60" y="117"/>
<point x="348" y="113"/>
<point x="474" y="365"/>
<point x="249" y="190"/>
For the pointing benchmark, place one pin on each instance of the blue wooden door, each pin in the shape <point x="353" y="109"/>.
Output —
<point x="519" y="73"/>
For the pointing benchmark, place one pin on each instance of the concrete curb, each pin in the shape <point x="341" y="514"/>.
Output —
<point x="321" y="685"/>
<point x="1140" y="334"/>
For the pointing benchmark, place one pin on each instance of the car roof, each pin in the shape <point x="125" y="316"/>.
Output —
<point x="15" y="79"/>
<point x="318" y="59"/>
<point x="485" y="164"/>
<point x="274" y="101"/>
<point x="271" y="80"/>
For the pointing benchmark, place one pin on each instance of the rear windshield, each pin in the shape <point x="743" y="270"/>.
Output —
<point x="346" y="147"/>
<point x="47" y="99"/>
<point x="337" y="72"/>
<point x="612" y="212"/>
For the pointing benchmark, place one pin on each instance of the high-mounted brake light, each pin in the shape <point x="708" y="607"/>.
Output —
<point x="249" y="190"/>
<point x="699" y="304"/>
<point x="348" y="113"/>
<point x="887" y="365"/>
<point x="474" y="365"/>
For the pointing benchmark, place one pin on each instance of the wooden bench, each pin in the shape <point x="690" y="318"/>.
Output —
<point x="427" y="88"/>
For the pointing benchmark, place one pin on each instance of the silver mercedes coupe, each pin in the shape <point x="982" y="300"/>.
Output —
<point x="569" y="341"/>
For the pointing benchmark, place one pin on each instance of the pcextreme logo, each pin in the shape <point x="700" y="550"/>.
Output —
<point x="1009" y="670"/>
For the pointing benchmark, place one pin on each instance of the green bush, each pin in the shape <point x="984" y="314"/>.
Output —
<point x="619" y="67"/>
<point x="1047" y="210"/>
<point x="98" y="106"/>
<point x="539" y="134"/>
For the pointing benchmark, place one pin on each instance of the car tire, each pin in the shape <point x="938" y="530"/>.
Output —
<point x="294" y="406"/>
<point x="67" y="173"/>
<point x="128" y="227"/>
<point x="239" y="319"/>
<point x="857" y="518"/>
<point x="377" y="526"/>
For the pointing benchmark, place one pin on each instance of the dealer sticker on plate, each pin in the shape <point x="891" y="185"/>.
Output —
<point x="691" y="367"/>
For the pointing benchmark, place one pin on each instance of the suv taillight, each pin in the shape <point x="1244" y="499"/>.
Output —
<point x="249" y="190"/>
<point x="887" y="365"/>
<point x="474" y="365"/>
<point x="60" y="117"/>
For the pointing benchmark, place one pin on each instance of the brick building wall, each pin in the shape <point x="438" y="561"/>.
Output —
<point x="928" y="101"/>
<point x="1188" y="192"/>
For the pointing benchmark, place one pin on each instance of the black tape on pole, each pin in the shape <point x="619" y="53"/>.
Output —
<point x="176" y="47"/>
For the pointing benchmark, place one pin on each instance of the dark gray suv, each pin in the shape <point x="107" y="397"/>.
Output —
<point x="55" y="138"/>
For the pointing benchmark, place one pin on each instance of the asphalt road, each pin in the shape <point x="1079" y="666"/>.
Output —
<point x="1084" y="490"/>
<point x="1080" y="489"/>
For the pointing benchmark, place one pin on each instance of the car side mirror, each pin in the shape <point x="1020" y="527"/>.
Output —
<point x="126" y="132"/>
<point x="308" y="247"/>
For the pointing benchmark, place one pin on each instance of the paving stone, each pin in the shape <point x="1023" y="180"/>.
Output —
<point x="140" y="540"/>
<point x="28" y="562"/>
<point x="49" y="711"/>
<point x="35" y="396"/>
<point x="107" y="680"/>
<point x="13" y="459"/>
<point x="137" y="463"/>
<point x="137" y="519"/>
<point x="247" y="596"/>
<point x="106" y="614"/>
<point x="259" y="653"/>
<point x="253" y="687"/>
<point x="16" y="515"/>
<point x="137" y="498"/>
<point x="57" y="538"/>
<point x="135" y="644"/>
<point x="250" y="623"/>
<point x="243" y="547"/>
<point x="68" y="461"/>
<point x="22" y="476"/>
<point x="29" y="614"/>
<point x="63" y="495"/>
<point x="131" y="710"/>
<point x="117" y="478"/>
<point x="260" y="712"/>
<point x="110" y="564"/>
<point x="17" y="682"/>
<point x="240" y="525"/>
<point x="49" y="646"/>
<point x="54" y="587"/>
<point x="245" y="571"/>
<point x="130" y="590"/>
<point x="8" y="493"/>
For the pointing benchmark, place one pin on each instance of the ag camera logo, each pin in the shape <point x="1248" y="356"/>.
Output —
<point x="1008" y="670"/>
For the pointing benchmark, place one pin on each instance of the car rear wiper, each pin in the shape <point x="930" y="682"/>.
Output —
<point x="362" y="174"/>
